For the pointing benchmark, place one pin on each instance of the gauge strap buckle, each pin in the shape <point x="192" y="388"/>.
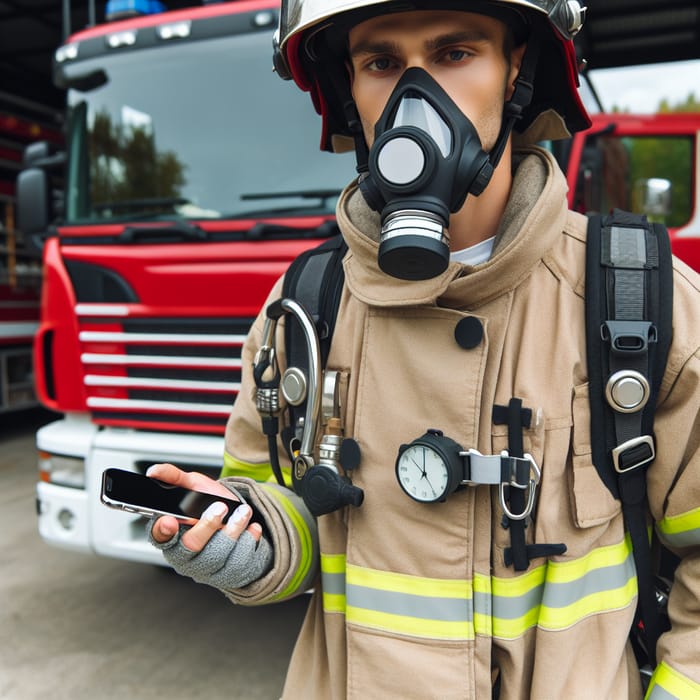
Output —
<point x="504" y="470"/>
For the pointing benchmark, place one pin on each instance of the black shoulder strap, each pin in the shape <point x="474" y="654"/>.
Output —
<point x="629" y="300"/>
<point x="315" y="279"/>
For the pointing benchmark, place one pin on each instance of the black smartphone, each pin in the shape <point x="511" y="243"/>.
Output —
<point x="137" y="493"/>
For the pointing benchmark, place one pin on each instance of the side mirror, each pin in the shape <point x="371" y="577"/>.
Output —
<point x="36" y="190"/>
<point x="654" y="197"/>
<point x="33" y="201"/>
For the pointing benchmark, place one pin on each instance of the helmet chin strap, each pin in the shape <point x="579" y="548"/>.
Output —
<point x="519" y="101"/>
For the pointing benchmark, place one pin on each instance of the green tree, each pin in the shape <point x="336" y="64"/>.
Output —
<point x="690" y="105"/>
<point x="125" y="166"/>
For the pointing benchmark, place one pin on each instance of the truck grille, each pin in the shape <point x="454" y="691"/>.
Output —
<point x="159" y="373"/>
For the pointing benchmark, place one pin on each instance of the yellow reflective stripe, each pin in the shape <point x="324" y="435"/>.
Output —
<point x="602" y="581"/>
<point x="237" y="467"/>
<point x="405" y="583"/>
<point x="333" y="563"/>
<point x="516" y="603"/>
<point x="411" y="626"/>
<point x="334" y="603"/>
<point x="305" y="542"/>
<point x="411" y="605"/>
<point x="333" y="582"/>
<point x="554" y="596"/>
<point x="681" y="530"/>
<point x="604" y="601"/>
<point x="557" y="595"/>
<point x="669" y="684"/>
<point x="258" y="472"/>
<point x="482" y="605"/>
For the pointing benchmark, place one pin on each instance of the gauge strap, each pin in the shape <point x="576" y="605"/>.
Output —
<point x="496" y="469"/>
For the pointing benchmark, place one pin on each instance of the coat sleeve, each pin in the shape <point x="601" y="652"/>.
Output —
<point x="292" y="528"/>
<point x="674" y="497"/>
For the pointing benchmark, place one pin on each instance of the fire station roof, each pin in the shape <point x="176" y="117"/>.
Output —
<point x="617" y="33"/>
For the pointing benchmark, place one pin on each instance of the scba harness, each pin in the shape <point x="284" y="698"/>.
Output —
<point x="629" y="297"/>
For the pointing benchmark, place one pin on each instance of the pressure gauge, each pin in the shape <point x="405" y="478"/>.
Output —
<point x="430" y="468"/>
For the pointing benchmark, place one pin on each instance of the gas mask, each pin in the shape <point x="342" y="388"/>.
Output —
<point x="426" y="158"/>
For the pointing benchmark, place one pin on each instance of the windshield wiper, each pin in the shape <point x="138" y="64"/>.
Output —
<point x="165" y="232"/>
<point x="144" y="203"/>
<point x="282" y="231"/>
<point x="321" y="194"/>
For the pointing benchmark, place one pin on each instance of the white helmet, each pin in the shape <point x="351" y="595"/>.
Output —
<point x="308" y="48"/>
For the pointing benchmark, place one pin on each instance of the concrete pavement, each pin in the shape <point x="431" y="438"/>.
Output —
<point x="78" y="627"/>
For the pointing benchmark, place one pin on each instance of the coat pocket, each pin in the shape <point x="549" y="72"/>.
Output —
<point x="593" y="504"/>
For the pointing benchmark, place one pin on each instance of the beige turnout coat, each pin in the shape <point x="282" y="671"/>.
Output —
<point x="415" y="600"/>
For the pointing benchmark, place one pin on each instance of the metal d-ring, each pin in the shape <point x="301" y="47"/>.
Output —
<point x="535" y="475"/>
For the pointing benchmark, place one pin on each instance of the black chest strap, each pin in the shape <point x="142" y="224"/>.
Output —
<point x="629" y="299"/>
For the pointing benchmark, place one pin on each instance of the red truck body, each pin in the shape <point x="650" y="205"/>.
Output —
<point x="189" y="188"/>
<point x="612" y="164"/>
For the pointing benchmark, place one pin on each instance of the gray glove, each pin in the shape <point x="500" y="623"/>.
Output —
<point x="224" y="563"/>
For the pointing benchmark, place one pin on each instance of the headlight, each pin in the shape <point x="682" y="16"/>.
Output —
<point x="62" y="470"/>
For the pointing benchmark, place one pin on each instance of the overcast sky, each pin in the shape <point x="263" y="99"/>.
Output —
<point x="640" y="89"/>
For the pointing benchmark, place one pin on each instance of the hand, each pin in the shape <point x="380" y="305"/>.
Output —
<point x="196" y="537"/>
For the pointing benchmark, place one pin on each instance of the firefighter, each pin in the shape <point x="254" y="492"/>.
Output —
<point x="458" y="352"/>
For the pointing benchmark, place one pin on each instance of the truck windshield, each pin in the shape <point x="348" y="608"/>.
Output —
<point x="199" y="130"/>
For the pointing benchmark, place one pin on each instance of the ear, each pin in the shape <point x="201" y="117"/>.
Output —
<point x="516" y="61"/>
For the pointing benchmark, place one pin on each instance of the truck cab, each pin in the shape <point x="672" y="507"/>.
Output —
<point x="192" y="178"/>
<point x="646" y="164"/>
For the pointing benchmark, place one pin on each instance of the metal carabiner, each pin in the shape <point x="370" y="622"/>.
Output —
<point x="535" y="475"/>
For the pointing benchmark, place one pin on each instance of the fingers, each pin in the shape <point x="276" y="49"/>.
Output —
<point x="195" y="481"/>
<point x="164" y="529"/>
<point x="238" y="522"/>
<point x="202" y="531"/>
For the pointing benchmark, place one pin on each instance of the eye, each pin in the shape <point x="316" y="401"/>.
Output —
<point x="457" y="55"/>
<point x="380" y="64"/>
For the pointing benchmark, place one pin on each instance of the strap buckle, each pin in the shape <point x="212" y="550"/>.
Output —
<point x="504" y="470"/>
<point x="634" y="453"/>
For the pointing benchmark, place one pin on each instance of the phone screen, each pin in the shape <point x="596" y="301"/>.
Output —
<point x="138" y="493"/>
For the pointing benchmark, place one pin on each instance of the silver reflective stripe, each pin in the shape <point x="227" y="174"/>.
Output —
<point x="658" y="693"/>
<point x="559" y="595"/>
<point x="333" y="583"/>
<point x="513" y="608"/>
<point x="482" y="603"/>
<point x="405" y="604"/>
<point x="688" y="538"/>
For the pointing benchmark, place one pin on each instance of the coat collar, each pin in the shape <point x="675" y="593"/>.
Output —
<point x="533" y="221"/>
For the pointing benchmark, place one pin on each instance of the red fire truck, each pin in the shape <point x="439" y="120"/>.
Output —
<point x="193" y="177"/>
<point x="643" y="163"/>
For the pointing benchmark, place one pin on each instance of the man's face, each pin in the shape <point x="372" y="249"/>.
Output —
<point x="462" y="51"/>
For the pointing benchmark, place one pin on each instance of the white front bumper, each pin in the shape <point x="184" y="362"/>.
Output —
<point x="75" y="519"/>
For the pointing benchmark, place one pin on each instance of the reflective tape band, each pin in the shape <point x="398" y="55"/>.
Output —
<point x="410" y="605"/>
<point x="258" y="472"/>
<point x="300" y="581"/>
<point x="399" y="603"/>
<point x="333" y="583"/>
<point x="553" y="596"/>
<point x="669" y="684"/>
<point x="410" y="626"/>
<point x="237" y="467"/>
<point x="557" y="595"/>
<point x="681" y="530"/>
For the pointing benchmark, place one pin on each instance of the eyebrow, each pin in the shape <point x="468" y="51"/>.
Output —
<point x="390" y="47"/>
